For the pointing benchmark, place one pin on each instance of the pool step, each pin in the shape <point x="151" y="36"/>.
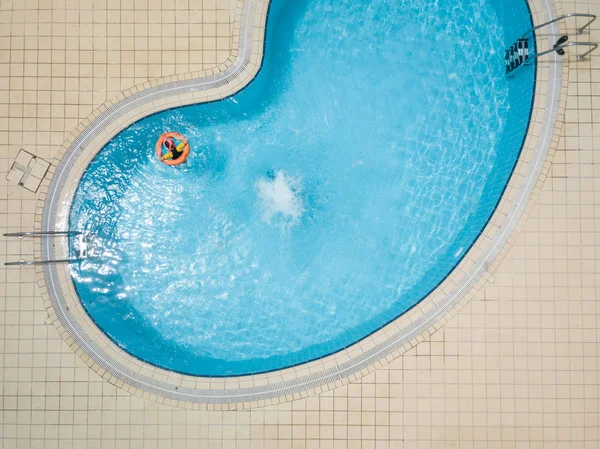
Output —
<point x="516" y="55"/>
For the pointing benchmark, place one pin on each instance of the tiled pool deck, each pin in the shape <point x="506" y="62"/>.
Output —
<point x="515" y="365"/>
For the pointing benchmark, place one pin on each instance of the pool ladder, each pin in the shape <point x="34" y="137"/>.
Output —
<point x="80" y="256"/>
<point x="518" y="54"/>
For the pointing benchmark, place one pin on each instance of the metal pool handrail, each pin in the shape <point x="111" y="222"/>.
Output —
<point x="566" y="16"/>
<point x="34" y="233"/>
<point x="594" y="45"/>
<point x="40" y="262"/>
<point x="39" y="233"/>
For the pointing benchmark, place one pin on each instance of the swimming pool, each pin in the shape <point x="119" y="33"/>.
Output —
<point x="319" y="203"/>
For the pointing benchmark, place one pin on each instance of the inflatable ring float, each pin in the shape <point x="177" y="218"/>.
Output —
<point x="159" y="145"/>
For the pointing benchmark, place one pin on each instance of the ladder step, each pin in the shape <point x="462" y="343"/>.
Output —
<point x="516" y="55"/>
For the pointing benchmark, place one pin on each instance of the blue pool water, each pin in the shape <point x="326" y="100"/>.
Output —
<point x="324" y="200"/>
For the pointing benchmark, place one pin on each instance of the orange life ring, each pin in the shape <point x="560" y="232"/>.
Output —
<point x="181" y="159"/>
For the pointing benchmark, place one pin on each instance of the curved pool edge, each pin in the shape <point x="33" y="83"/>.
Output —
<point x="405" y="332"/>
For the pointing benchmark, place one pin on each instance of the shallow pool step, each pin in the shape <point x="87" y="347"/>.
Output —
<point x="516" y="55"/>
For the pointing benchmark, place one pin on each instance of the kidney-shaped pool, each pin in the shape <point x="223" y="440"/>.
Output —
<point x="321" y="202"/>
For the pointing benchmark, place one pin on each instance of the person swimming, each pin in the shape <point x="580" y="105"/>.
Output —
<point x="174" y="148"/>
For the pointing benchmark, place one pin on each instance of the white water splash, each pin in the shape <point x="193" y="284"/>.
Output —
<point x="280" y="195"/>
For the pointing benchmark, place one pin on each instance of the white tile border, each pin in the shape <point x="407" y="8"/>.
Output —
<point x="240" y="392"/>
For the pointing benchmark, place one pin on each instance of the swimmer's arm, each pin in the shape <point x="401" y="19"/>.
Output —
<point x="182" y="138"/>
